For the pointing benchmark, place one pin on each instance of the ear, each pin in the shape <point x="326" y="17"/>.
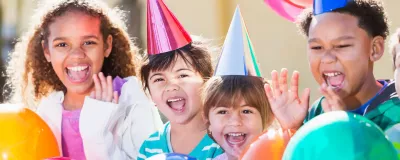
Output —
<point x="46" y="52"/>
<point x="109" y="46"/>
<point x="378" y="48"/>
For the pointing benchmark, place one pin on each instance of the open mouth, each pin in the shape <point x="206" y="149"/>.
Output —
<point x="177" y="104"/>
<point x="334" y="79"/>
<point x="235" y="139"/>
<point x="78" y="74"/>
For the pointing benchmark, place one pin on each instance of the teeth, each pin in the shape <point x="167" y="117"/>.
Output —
<point x="77" y="68"/>
<point x="175" y="100"/>
<point x="236" y="134"/>
<point x="332" y="74"/>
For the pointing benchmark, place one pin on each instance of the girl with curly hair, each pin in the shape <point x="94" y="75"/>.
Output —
<point x="68" y="65"/>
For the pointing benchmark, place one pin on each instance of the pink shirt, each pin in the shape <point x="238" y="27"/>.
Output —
<point x="72" y="145"/>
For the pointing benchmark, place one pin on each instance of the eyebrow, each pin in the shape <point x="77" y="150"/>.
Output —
<point x="183" y="69"/>
<point x="339" y="38"/>
<point x="84" y="37"/>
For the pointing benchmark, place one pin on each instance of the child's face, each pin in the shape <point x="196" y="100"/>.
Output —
<point x="76" y="50"/>
<point x="176" y="91"/>
<point x="338" y="52"/>
<point x="235" y="127"/>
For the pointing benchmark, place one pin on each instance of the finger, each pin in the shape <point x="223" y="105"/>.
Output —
<point x="93" y="94"/>
<point x="110" y="89"/>
<point x="294" y="84"/>
<point x="268" y="92"/>
<point x="305" y="98"/>
<point x="335" y="100"/>
<point x="103" y="83"/>
<point x="325" y="106"/>
<point x="283" y="80"/>
<point x="116" y="97"/>
<point x="275" y="83"/>
<point x="97" y="86"/>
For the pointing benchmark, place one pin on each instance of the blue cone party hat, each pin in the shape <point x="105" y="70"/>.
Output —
<point x="237" y="57"/>
<point x="323" y="6"/>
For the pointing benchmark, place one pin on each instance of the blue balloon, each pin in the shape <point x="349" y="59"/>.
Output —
<point x="322" y="6"/>
<point x="171" y="156"/>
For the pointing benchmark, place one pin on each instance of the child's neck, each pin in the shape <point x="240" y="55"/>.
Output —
<point x="73" y="101"/>
<point x="185" y="137"/>
<point x="370" y="88"/>
<point x="231" y="157"/>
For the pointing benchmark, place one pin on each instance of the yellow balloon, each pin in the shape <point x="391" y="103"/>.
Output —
<point x="24" y="135"/>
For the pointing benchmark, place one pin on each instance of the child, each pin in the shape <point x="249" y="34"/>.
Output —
<point x="345" y="38"/>
<point x="73" y="41"/>
<point x="235" y="105"/>
<point x="173" y="73"/>
<point x="393" y="133"/>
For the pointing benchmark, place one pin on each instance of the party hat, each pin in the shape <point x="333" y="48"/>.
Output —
<point x="322" y="6"/>
<point x="164" y="32"/>
<point x="237" y="57"/>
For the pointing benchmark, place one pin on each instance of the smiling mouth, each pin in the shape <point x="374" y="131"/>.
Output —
<point x="235" y="138"/>
<point x="177" y="104"/>
<point x="334" y="79"/>
<point x="78" y="74"/>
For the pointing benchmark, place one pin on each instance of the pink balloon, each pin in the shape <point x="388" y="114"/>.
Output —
<point x="285" y="9"/>
<point x="301" y="3"/>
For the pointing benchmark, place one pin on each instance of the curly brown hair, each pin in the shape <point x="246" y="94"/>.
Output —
<point x="370" y="14"/>
<point x="30" y="74"/>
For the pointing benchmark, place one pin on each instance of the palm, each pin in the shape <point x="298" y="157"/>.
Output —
<point x="288" y="108"/>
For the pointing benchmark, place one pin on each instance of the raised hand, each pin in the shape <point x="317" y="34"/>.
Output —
<point x="103" y="89"/>
<point x="332" y="101"/>
<point x="288" y="108"/>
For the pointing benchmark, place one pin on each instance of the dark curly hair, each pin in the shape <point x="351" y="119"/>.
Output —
<point x="370" y="13"/>
<point x="30" y="74"/>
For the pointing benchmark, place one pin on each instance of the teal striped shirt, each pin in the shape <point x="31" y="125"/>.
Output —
<point x="159" y="143"/>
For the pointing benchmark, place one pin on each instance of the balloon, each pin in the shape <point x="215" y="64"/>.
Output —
<point x="24" y="135"/>
<point x="339" y="135"/>
<point x="59" y="158"/>
<point x="301" y="3"/>
<point x="287" y="9"/>
<point x="393" y="134"/>
<point x="270" y="145"/>
<point x="171" y="156"/>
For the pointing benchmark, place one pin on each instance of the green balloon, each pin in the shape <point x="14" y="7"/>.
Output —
<point x="339" y="135"/>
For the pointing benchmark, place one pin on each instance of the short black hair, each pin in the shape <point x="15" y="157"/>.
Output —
<point x="370" y="13"/>
<point x="197" y="52"/>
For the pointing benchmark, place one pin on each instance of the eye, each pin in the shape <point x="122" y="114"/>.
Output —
<point x="90" y="42"/>
<point x="61" y="44"/>
<point x="158" y="80"/>
<point x="316" y="47"/>
<point x="247" y="111"/>
<point x="343" y="46"/>
<point x="183" y="75"/>
<point x="222" y="112"/>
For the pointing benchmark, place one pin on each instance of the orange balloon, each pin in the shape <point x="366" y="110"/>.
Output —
<point x="270" y="145"/>
<point x="24" y="135"/>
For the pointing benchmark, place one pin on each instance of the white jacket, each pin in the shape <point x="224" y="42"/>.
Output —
<point x="108" y="130"/>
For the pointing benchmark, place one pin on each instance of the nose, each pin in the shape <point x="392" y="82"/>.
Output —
<point x="235" y="119"/>
<point x="328" y="57"/>
<point x="172" y="86"/>
<point x="78" y="52"/>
